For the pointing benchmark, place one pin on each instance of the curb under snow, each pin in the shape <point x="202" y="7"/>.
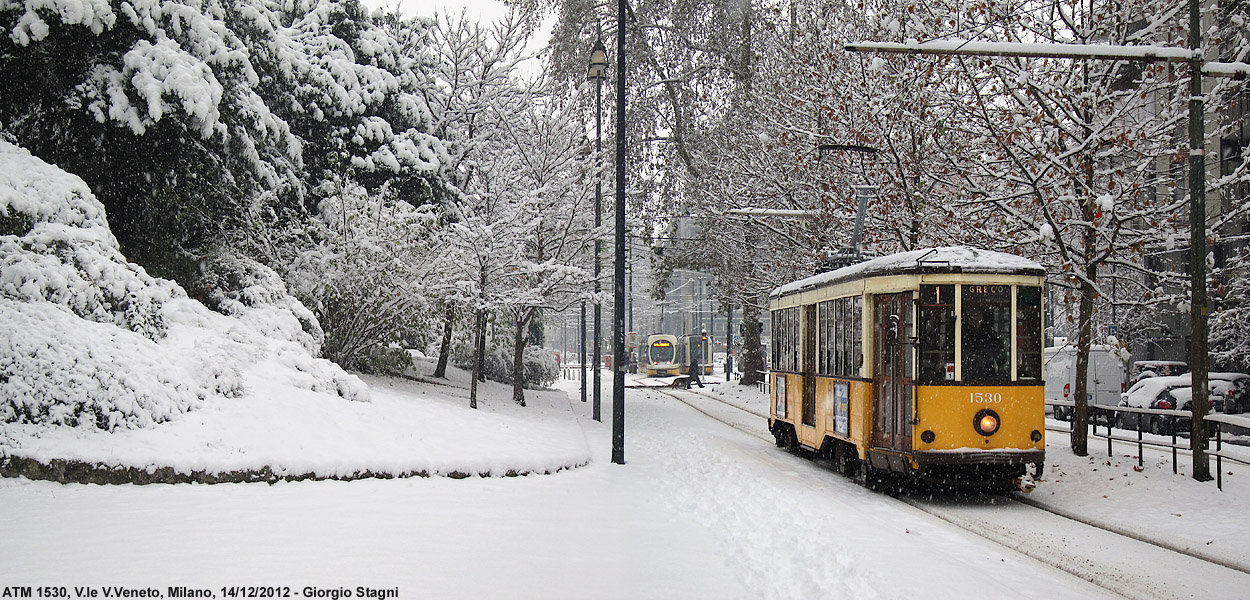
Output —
<point x="75" y="471"/>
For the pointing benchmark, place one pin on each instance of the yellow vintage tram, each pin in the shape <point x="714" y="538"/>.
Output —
<point x="925" y="363"/>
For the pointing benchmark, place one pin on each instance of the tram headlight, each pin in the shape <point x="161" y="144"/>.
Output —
<point x="986" y="422"/>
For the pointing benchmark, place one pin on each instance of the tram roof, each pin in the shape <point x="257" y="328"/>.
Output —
<point x="950" y="259"/>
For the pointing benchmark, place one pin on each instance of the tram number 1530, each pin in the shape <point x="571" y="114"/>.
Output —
<point x="985" y="398"/>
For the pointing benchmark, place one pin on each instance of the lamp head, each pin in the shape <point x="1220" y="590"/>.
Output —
<point x="598" y="62"/>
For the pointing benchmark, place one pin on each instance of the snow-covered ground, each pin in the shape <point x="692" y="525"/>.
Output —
<point x="700" y="510"/>
<point x="1113" y="491"/>
<point x="406" y="428"/>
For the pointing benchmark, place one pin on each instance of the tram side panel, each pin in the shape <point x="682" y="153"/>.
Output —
<point x="843" y="410"/>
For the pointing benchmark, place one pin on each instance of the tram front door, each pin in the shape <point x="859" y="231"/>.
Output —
<point x="892" y="382"/>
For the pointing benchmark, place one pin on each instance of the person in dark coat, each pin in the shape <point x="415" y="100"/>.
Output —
<point x="695" y="369"/>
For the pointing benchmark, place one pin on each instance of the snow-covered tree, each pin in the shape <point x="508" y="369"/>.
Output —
<point x="368" y="280"/>
<point x="155" y="104"/>
<point x="546" y="155"/>
<point x="1230" y="100"/>
<point x="476" y="67"/>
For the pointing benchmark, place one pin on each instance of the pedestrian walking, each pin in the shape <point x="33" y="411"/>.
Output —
<point x="694" y="370"/>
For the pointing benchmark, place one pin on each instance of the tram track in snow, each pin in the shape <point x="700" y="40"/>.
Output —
<point x="1103" y="555"/>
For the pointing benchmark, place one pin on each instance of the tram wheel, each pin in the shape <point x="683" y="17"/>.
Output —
<point x="847" y="460"/>
<point x="792" y="442"/>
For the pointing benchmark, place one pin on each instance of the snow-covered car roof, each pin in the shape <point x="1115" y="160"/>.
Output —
<point x="1160" y="363"/>
<point x="1227" y="376"/>
<point x="1145" y="391"/>
<point x="950" y="259"/>
<point x="1224" y="383"/>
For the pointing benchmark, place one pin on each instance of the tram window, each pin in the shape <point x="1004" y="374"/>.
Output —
<point x="839" y="334"/>
<point x="840" y="347"/>
<point x="985" y="329"/>
<point x="937" y="333"/>
<point x="785" y="339"/>
<point x="1029" y="333"/>
<point x="822" y="338"/>
<point x="851" y="343"/>
<point x="856" y="334"/>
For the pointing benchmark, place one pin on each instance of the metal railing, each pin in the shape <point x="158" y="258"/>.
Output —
<point x="1158" y="422"/>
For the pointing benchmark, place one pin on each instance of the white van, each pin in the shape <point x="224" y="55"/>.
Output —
<point x="1105" y="383"/>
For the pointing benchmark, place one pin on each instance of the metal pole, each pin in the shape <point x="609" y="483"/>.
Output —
<point x="581" y="351"/>
<point x="630" y="269"/>
<point x="595" y="411"/>
<point x="618" y="375"/>
<point x="729" y="342"/>
<point x="1198" y="248"/>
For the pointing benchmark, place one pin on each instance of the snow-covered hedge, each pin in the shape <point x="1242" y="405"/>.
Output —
<point x="55" y="246"/>
<point x="255" y="294"/>
<point x="59" y="369"/>
<point x="539" y="366"/>
<point x="88" y="339"/>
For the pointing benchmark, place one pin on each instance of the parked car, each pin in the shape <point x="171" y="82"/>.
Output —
<point x="1232" y="389"/>
<point x="1157" y="368"/>
<point x="1168" y="393"/>
<point x="1158" y="393"/>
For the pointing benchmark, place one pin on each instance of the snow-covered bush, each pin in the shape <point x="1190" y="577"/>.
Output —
<point x="58" y="369"/>
<point x="255" y="294"/>
<point x="539" y="366"/>
<point x="366" y="280"/>
<point x="56" y="246"/>
<point x="88" y="339"/>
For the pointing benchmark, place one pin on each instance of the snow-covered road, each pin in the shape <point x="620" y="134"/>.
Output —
<point x="1130" y="567"/>
<point x="700" y="510"/>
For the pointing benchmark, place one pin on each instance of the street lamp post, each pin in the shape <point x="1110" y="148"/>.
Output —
<point x="597" y="72"/>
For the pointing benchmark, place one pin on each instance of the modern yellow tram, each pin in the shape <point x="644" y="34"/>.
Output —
<point x="926" y="363"/>
<point x="662" y="355"/>
<point x="695" y="345"/>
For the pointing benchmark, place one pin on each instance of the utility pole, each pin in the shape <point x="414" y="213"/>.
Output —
<point x="1198" y="358"/>
<point x="618" y="310"/>
<point x="729" y="340"/>
<point x="581" y="351"/>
